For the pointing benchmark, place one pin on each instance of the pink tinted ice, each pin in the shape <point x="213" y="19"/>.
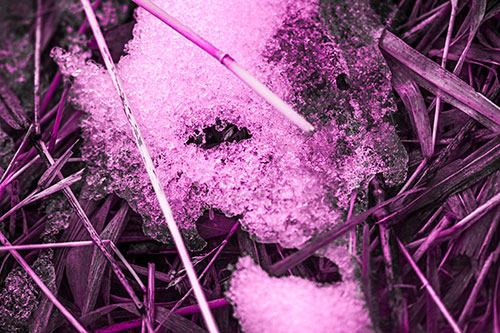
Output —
<point x="292" y="304"/>
<point x="288" y="186"/>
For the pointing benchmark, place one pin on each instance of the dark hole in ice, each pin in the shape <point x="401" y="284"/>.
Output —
<point x="212" y="137"/>
<point x="341" y="80"/>
<point x="323" y="270"/>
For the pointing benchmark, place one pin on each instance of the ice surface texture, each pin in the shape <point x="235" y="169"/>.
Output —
<point x="288" y="185"/>
<point x="291" y="304"/>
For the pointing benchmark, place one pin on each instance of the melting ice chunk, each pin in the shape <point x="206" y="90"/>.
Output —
<point x="288" y="186"/>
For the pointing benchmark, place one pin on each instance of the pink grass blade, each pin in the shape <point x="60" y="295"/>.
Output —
<point x="126" y="264"/>
<point x="42" y="286"/>
<point x="453" y="14"/>
<point x="226" y="60"/>
<point x="414" y="103"/>
<point x="98" y="263"/>
<point x="429" y="289"/>
<point x="11" y="110"/>
<point x="365" y="267"/>
<point x="477" y="12"/>
<point x="54" y="84"/>
<point x="57" y="122"/>
<point x="150" y="303"/>
<point x="429" y="239"/>
<point x="205" y="270"/>
<point x="478" y="106"/>
<point x="150" y="168"/>
<point x="36" y="79"/>
<point x="496" y="306"/>
<point x="45" y="246"/>
<point x="471" y="300"/>
<point x="62" y="184"/>
<point x="82" y="216"/>
<point x="326" y="238"/>
<point x="467" y="221"/>
<point x="52" y="171"/>
<point x="13" y="176"/>
<point x="14" y="158"/>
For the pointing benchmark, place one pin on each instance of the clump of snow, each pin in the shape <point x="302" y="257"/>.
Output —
<point x="288" y="186"/>
<point x="291" y="304"/>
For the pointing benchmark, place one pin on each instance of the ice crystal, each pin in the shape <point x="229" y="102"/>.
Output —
<point x="20" y="295"/>
<point x="288" y="186"/>
<point x="292" y="304"/>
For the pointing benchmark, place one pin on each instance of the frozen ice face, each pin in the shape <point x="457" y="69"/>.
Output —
<point x="216" y="144"/>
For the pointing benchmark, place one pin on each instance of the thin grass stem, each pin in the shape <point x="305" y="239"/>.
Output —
<point x="150" y="168"/>
<point x="219" y="250"/>
<point x="57" y="122"/>
<point x="429" y="289"/>
<point x="451" y="23"/>
<point x="150" y="304"/>
<point x="14" y="158"/>
<point x="46" y="246"/>
<point x="471" y="300"/>
<point x="36" y="77"/>
<point x="9" y="179"/>
<point x="73" y="201"/>
<point x="226" y="60"/>
<point x="414" y="176"/>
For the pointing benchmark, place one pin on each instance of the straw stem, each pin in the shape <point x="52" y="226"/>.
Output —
<point x="429" y="289"/>
<point x="226" y="60"/>
<point x="150" y="168"/>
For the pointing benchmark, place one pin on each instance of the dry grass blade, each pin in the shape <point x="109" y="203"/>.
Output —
<point x="475" y="54"/>
<point x="57" y="123"/>
<point x="150" y="304"/>
<point x="455" y="177"/>
<point x="77" y="260"/>
<point x="429" y="289"/>
<point x="14" y="158"/>
<point x="414" y="102"/>
<point x="98" y="264"/>
<point x="429" y="239"/>
<point x="174" y="323"/>
<point x="73" y="201"/>
<point x="471" y="300"/>
<point x="483" y="110"/>
<point x="36" y="77"/>
<point x="11" y="110"/>
<point x="46" y="246"/>
<point x="467" y="221"/>
<point x="478" y="10"/>
<point x="496" y="306"/>
<point x="61" y="185"/>
<point x="226" y="60"/>
<point x="150" y="168"/>
<point x="365" y="267"/>
<point x="42" y="286"/>
<point x="326" y="238"/>
<point x="51" y="172"/>
<point x="454" y="7"/>
<point x="219" y="250"/>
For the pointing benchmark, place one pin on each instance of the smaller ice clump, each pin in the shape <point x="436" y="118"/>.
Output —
<point x="291" y="304"/>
